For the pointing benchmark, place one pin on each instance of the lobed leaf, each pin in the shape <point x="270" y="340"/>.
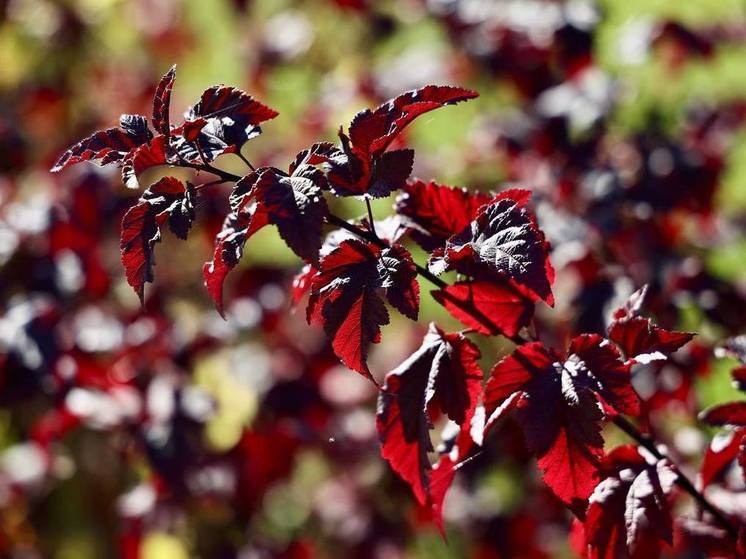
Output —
<point x="162" y="102"/>
<point x="167" y="201"/>
<point x="344" y="296"/>
<point x="442" y="374"/>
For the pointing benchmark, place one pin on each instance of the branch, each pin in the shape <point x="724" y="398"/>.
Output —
<point x="225" y="175"/>
<point x="682" y="481"/>
<point x="641" y="439"/>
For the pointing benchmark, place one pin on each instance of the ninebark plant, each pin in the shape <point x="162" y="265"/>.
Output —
<point x="621" y="499"/>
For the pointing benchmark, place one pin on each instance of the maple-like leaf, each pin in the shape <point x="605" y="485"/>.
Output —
<point x="223" y="120"/>
<point x="166" y="201"/>
<point x="109" y="146"/>
<point x="438" y="211"/>
<point x="443" y="374"/>
<point x="489" y="307"/>
<point x="628" y="513"/>
<point x="143" y="158"/>
<point x="726" y="447"/>
<point x="238" y="227"/>
<point x="561" y="402"/>
<point x="371" y="131"/>
<point x="162" y="102"/>
<point x="637" y="336"/>
<point x="362" y="166"/>
<point x="344" y="296"/>
<point x="504" y="238"/>
<point x="296" y="205"/>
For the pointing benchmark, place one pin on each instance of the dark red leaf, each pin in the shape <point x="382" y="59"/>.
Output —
<point x="637" y="336"/>
<point x="110" y="145"/>
<point x="221" y="122"/>
<point x="504" y="238"/>
<point x="371" y="132"/>
<point x="390" y="172"/>
<point x="438" y="211"/>
<point x="611" y="377"/>
<point x="143" y="158"/>
<point x="558" y="406"/>
<point x="238" y="227"/>
<point x="628" y="513"/>
<point x="633" y="305"/>
<point x="166" y="201"/>
<point x="733" y="413"/>
<point x="643" y="341"/>
<point x="296" y="205"/>
<point x="192" y="128"/>
<point x="162" y="102"/>
<point x="302" y="283"/>
<point x="402" y="288"/>
<point x="220" y="101"/>
<point x="559" y="415"/>
<point x="344" y="296"/>
<point x="489" y="307"/>
<point x="724" y="448"/>
<point x="443" y="373"/>
<point x="362" y="167"/>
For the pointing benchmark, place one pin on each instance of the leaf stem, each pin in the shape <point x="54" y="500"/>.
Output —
<point x="682" y="481"/>
<point x="225" y="175"/>
<point x="248" y="163"/>
<point x="371" y="221"/>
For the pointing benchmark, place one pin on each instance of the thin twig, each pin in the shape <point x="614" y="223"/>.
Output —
<point x="225" y="175"/>
<point x="211" y="183"/>
<point x="248" y="163"/>
<point x="371" y="222"/>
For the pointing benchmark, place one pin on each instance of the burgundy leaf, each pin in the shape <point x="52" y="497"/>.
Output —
<point x="611" y="377"/>
<point x="400" y="280"/>
<point x="443" y="373"/>
<point x="505" y="239"/>
<point x="110" y="145"/>
<point x="162" y="102"/>
<point x="221" y="122"/>
<point x="628" y="513"/>
<point x="344" y="296"/>
<point x="489" y="307"/>
<point x="637" y="336"/>
<point x="559" y="407"/>
<point x="390" y="172"/>
<point x="724" y="448"/>
<point x="439" y="211"/>
<point x="733" y="413"/>
<point x="238" y="227"/>
<point x="362" y="167"/>
<point x="643" y="341"/>
<point x="166" y="201"/>
<point x="142" y="159"/>
<point x="371" y="132"/>
<point x="633" y="305"/>
<point x="302" y="283"/>
<point x="296" y="205"/>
